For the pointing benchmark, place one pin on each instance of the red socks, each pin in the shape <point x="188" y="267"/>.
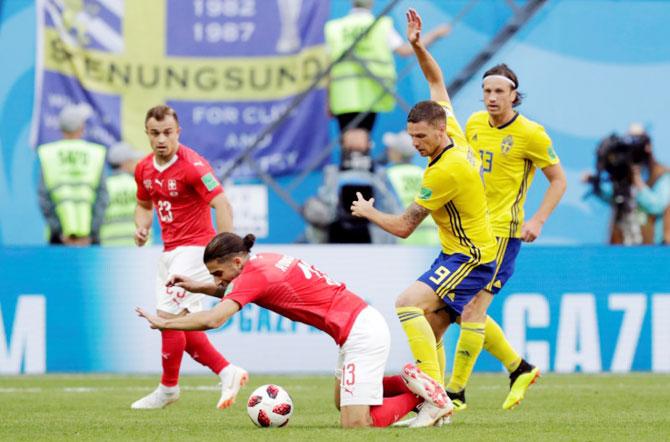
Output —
<point x="196" y="344"/>
<point x="202" y="350"/>
<point x="394" y="386"/>
<point x="398" y="401"/>
<point x="393" y="409"/>
<point x="172" y="350"/>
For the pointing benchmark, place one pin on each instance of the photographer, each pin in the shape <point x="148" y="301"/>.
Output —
<point x="327" y="213"/>
<point x="630" y="179"/>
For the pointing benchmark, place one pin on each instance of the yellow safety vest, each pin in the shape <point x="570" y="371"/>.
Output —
<point x="118" y="228"/>
<point x="351" y="89"/>
<point x="72" y="170"/>
<point x="406" y="182"/>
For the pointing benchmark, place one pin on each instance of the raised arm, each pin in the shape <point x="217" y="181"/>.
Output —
<point x="431" y="70"/>
<point x="430" y="38"/>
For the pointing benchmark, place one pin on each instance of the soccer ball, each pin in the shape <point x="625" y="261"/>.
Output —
<point x="270" y="406"/>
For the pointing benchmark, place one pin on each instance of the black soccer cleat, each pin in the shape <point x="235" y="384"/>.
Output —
<point x="458" y="399"/>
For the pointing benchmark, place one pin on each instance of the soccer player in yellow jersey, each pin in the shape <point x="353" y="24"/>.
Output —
<point x="511" y="146"/>
<point x="452" y="192"/>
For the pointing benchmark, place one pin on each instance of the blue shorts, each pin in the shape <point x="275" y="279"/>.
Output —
<point x="457" y="278"/>
<point x="508" y="250"/>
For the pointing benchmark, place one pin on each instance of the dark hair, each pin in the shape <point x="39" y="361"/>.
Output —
<point x="428" y="111"/>
<point x="225" y="244"/>
<point x="505" y="71"/>
<point x="160" y="112"/>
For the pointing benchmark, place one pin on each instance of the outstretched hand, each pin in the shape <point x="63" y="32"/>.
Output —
<point x="181" y="281"/>
<point x="191" y="285"/>
<point x="154" y="321"/>
<point x="361" y="207"/>
<point x="413" y="26"/>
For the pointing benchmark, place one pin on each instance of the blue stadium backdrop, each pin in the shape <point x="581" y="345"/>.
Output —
<point x="568" y="309"/>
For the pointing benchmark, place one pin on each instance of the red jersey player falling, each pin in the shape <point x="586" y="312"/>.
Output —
<point x="300" y="292"/>
<point x="180" y="184"/>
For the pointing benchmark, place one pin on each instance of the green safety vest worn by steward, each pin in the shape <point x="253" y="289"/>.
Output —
<point x="118" y="228"/>
<point x="351" y="89"/>
<point x="406" y="182"/>
<point x="72" y="170"/>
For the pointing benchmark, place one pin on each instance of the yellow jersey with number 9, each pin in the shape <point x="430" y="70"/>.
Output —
<point x="509" y="154"/>
<point x="453" y="190"/>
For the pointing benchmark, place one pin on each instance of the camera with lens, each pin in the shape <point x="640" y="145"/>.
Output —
<point x="615" y="158"/>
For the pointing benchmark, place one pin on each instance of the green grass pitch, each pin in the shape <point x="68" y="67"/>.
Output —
<point x="559" y="407"/>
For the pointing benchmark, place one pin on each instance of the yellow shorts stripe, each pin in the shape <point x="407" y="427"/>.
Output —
<point x="500" y="255"/>
<point x="454" y="275"/>
<point x="457" y="277"/>
<point x="446" y="289"/>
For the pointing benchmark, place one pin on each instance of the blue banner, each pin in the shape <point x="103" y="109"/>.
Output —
<point x="229" y="67"/>
<point x="592" y="309"/>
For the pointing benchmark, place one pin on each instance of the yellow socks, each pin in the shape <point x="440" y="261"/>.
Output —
<point x="441" y="360"/>
<point x="421" y="340"/>
<point x="497" y="344"/>
<point x="470" y="343"/>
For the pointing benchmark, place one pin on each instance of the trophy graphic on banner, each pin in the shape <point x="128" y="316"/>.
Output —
<point x="289" y="15"/>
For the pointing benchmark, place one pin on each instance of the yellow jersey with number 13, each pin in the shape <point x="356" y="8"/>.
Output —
<point x="509" y="153"/>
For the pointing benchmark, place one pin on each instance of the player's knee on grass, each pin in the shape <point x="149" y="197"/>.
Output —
<point x="355" y="416"/>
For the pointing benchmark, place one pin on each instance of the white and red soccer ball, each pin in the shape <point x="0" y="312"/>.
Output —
<point x="270" y="406"/>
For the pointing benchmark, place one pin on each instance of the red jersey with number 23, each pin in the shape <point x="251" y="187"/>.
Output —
<point x="298" y="291"/>
<point x="180" y="191"/>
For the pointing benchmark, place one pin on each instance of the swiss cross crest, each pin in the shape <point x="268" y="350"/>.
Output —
<point x="172" y="187"/>
<point x="147" y="184"/>
<point x="507" y="144"/>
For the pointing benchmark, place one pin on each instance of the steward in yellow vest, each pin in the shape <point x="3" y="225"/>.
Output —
<point x="356" y="83"/>
<point x="72" y="187"/>
<point x="352" y="89"/>
<point x="118" y="228"/>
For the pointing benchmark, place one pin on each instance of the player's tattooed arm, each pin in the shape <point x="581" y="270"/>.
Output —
<point x="414" y="215"/>
<point x="401" y="225"/>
